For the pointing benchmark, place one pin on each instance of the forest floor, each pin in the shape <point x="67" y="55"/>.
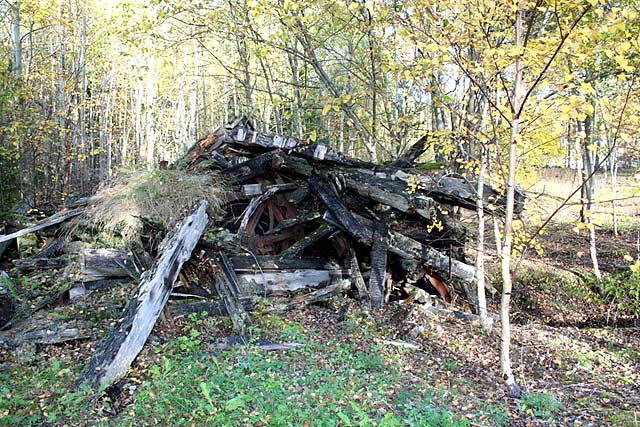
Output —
<point x="575" y="350"/>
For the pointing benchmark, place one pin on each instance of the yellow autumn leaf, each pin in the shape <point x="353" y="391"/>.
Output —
<point x="326" y="109"/>
<point x="623" y="47"/>
<point x="635" y="267"/>
<point x="628" y="258"/>
<point x="587" y="89"/>
<point x="623" y="63"/>
<point x="312" y="136"/>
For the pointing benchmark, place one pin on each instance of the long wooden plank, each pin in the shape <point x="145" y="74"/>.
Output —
<point x="283" y="282"/>
<point x="255" y="264"/>
<point x="47" y="222"/>
<point x="123" y="342"/>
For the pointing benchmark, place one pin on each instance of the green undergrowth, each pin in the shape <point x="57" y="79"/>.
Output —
<point x="556" y="296"/>
<point x="348" y="380"/>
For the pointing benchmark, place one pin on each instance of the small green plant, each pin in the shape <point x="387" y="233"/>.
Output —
<point x="623" y="290"/>
<point x="498" y="416"/>
<point x="540" y="405"/>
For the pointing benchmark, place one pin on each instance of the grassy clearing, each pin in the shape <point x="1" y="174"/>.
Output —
<point x="348" y="381"/>
<point x="344" y="375"/>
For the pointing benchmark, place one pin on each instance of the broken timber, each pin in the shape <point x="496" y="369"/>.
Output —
<point x="124" y="341"/>
<point x="47" y="222"/>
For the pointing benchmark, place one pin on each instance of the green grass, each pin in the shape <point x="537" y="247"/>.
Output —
<point x="541" y="405"/>
<point x="344" y="381"/>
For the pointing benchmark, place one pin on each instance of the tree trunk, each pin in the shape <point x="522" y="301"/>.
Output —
<point x="16" y="64"/>
<point x="505" y="265"/>
<point x="482" y="298"/>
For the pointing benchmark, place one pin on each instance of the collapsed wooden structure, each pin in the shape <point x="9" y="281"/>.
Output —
<point x="302" y="223"/>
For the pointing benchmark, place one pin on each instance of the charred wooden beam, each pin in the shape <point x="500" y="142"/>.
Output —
<point x="297" y="248"/>
<point x="292" y="222"/>
<point x="341" y="214"/>
<point x="387" y="191"/>
<point x="378" y="264"/>
<point x="406" y="247"/>
<point x="410" y="156"/>
<point x="8" y="303"/>
<point x="325" y="155"/>
<point x="358" y="280"/>
<point x="124" y="341"/>
<point x="228" y="289"/>
<point x="259" y="166"/>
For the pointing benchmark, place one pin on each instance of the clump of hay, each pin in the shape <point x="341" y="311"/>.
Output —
<point x="161" y="196"/>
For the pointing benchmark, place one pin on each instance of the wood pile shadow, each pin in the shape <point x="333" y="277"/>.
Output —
<point x="302" y="223"/>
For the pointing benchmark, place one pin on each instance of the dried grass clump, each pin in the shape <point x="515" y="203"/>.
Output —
<point x="161" y="196"/>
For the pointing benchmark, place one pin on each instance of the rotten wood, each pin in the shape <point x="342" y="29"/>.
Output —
<point x="320" y="232"/>
<point x="415" y="151"/>
<point x="313" y="297"/>
<point x="31" y="264"/>
<point x="358" y="280"/>
<point x="8" y="303"/>
<point x="123" y="342"/>
<point x="54" y="219"/>
<point x="378" y="265"/>
<point x="40" y="331"/>
<point x="228" y="289"/>
<point x="272" y="283"/>
<point x="100" y="264"/>
<point x="254" y="264"/>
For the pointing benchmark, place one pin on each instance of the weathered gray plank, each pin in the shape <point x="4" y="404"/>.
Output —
<point x="124" y="341"/>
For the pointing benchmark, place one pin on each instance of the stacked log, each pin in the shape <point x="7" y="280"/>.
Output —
<point x="296" y="202"/>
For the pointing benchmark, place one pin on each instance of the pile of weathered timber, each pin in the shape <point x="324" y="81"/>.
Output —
<point x="304" y="216"/>
<point x="302" y="223"/>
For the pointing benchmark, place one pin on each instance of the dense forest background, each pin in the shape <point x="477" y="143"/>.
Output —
<point x="93" y="87"/>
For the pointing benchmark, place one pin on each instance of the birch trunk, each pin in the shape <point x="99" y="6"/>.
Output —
<point x="482" y="298"/>
<point x="16" y="64"/>
<point x="505" y="265"/>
